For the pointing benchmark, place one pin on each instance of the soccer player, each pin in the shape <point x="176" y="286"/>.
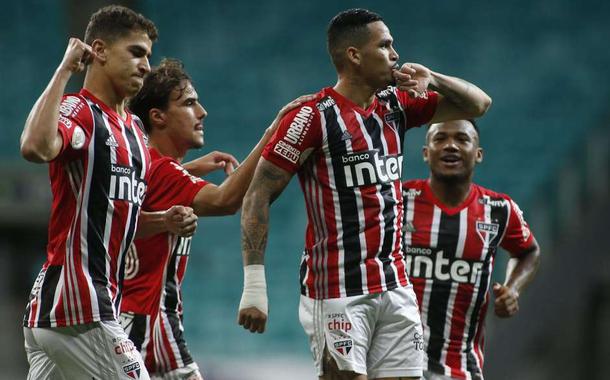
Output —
<point x="98" y="168"/>
<point x="152" y="304"/>
<point x="453" y="229"/>
<point x="357" y="305"/>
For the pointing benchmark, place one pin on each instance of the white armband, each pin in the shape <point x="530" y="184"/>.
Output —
<point x="255" y="288"/>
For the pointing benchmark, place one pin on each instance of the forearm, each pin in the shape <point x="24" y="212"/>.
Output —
<point x="235" y="186"/>
<point x="150" y="223"/>
<point x="521" y="271"/>
<point x="40" y="141"/>
<point x="254" y="228"/>
<point x="464" y="95"/>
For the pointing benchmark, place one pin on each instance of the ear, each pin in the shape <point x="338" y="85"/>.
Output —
<point x="479" y="156"/>
<point x="157" y="118"/>
<point x="99" y="48"/>
<point x="353" y="55"/>
<point x="424" y="151"/>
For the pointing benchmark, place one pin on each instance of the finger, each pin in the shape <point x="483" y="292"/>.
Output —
<point x="407" y="69"/>
<point x="229" y="168"/>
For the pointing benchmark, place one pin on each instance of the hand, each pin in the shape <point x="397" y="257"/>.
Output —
<point x="287" y="108"/>
<point x="413" y="78"/>
<point x="507" y="301"/>
<point x="77" y="56"/>
<point x="210" y="162"/>
<point x="252" y="319"/>
<point x="180" y="220"/>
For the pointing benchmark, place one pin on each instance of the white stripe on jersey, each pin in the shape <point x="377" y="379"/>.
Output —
<point x="315" y="198"/>
<point x="76" y="177"/>
<point x="434" y="230"/>
<point x="436" y="220"/>
<point x="409" y="219"/>
<point x="110" y="207"/>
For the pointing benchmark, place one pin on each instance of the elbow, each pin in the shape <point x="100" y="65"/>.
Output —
<point x="31" y="153"/>
<point x="483" y="105"/>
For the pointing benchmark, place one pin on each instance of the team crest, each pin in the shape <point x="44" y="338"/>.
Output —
<point x="487" y="231"/>
<point x="132" y="370"/>
<point x="343" y="346"/>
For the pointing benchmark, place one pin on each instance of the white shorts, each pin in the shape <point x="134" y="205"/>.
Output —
<point x="379" y="335"/>
<point x="188" y="372"/>
<point x="99" y="350"/>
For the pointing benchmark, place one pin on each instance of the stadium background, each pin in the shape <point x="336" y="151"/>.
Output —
<point x="546" y="137"/>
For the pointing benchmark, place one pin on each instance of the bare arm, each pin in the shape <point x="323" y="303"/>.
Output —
<point x="269" y="182"/>
<point x="212" y="161"/>
<point x="40" y="139"/>
<point x="458" y="99"/>
<point x="519" y="273"/>
<point x="178" y="220"/>
<point x="227" y="198"/>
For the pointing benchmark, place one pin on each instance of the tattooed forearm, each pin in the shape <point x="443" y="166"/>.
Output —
<point x="268" y="183"/>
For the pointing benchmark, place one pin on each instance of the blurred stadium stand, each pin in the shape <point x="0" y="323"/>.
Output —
<point x="546" y="140"/>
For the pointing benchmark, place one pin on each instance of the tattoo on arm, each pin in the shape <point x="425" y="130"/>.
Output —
<point x="268" y="183"/>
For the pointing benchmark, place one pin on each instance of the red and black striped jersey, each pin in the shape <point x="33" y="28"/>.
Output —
<point x="98" y="182"/>
<point x="450" y="256"/>
<point x="349" y="163"/>
<point x="155" y="266"/>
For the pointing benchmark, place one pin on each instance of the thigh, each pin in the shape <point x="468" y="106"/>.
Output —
<point x="343" y="327"/>
<point x="174" y="360"/>
<point x="41" y="365"/>
<point x="397" y="348"/>
<point x="98" y="350"/>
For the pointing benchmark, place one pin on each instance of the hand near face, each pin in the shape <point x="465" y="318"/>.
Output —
<point x="413" y="78"/>
<point x="180" y="220"/>
<point x="507" y="301"/>
<point x="211" y="162"/>
<point x="78" y="54"/>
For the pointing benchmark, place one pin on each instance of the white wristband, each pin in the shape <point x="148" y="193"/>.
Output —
<point x="255" y="288"/>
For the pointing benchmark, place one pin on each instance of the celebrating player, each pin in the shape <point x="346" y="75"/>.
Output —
<point x="357" y="305"/>
<point x="453" y="229"/>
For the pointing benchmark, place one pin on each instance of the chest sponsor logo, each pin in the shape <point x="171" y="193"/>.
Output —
<point x="299" y="126"/>
<point x="367" y="168"/>
<point x="431" y="264"/>
<point x="325" y="104"/>
<point x="487" y="231"/>
<point x="125" y="186"/>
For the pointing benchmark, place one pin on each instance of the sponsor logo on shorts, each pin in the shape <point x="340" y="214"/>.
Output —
<point x="124" y="347"/>
<point x="338" y="322"/>
<point x="132" y="370"/>
<point x="343" y="346"/>
<point x="418" y="341"/>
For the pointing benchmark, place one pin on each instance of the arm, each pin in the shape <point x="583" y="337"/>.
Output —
<point x="178" y="220"/>
<point x="40" y="139"/>
<point x="519" y="273"/>
<point x="268" y="183"/>
<point x="227" y="198"/>
<point x="458" y="99"/>
<point x="210" y="162"/>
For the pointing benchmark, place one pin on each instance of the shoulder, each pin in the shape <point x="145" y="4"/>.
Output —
<point x="492" y="197"/>
<point x="73" y="107"/>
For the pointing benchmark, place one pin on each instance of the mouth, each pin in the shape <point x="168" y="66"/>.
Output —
<point x="395" y="66"/>
<point x="451" y="160"/>
<point x="199" y="127"/>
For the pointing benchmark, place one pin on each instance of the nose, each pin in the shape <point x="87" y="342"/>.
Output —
<point x="451" y="145"/>
<point x="201" y="112"/>
<point x="394" y="55"/>
<point x="144" y="66"/>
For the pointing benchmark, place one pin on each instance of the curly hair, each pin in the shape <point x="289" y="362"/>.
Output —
<point x="115" y="21"/>
<point x="157" y="89"/>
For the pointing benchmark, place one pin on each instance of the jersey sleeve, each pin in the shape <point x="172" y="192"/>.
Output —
<point x="518" y="236"/>
<point x="75" y="125"/>
<point x="170" y="184"/>
<point x="299" y="132"/>
<point x="419" y="110"/>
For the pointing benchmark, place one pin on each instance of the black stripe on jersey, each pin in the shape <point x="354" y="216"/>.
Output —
<point x="303" y="271"/>
<point x="97" y="209"/>
<point x="171" y="287"/>
<point x="137" y="164"/>
<point x="137" y="334"/>
<point x="439" y="296"/>
<point x="47" y="294"/>
<point x="348" y="207"/>
<point x="375" y="130"/>
<point x="500" y="216"/>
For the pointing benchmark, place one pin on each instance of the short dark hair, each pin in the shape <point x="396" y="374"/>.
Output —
<point x="348" y="28"/>
<point x="115" y="21"/>
<point x="471" y="121"/>
<point x="157" y="88"/>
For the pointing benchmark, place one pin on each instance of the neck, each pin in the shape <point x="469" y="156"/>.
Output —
<point x="355" y="90"/>
<point x="450" y="193"/>
<point x="166" y="146"/>
<point x="97" y="84"/>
